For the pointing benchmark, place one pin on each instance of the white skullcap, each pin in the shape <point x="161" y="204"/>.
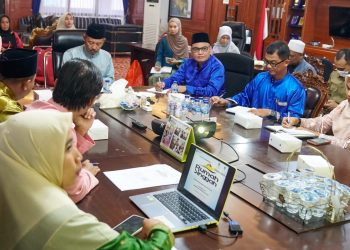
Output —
<point x="296" y="46"/>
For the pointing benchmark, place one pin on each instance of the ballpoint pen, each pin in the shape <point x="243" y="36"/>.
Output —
<point x="288" y="118"/>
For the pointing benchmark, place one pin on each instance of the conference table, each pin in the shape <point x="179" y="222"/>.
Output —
<point x="129" y="147"/>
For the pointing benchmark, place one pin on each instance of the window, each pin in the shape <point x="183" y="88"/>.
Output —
<point x="101" y="8"/>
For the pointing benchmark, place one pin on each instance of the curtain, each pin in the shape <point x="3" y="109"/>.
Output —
<point x="35" y="6"/>
<point x="101" y="8"/>
<point x="126" y="6"/>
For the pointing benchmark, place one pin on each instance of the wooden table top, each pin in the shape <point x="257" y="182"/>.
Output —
<point x="128" y="147"/>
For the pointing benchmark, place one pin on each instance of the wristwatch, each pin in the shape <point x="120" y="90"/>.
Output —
<point x="273" y="113"/>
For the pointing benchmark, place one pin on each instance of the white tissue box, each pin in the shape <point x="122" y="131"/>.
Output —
<point x="43" y="94"/>
<point x="98" y="131"/>
<point x="248" y="120"/>
<point x="285" y="143"/>
<point x="316" y="164"/>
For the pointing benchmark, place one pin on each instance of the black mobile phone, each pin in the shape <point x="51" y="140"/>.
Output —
<point x="133" y="225"/>
<point x="318" y="141"/>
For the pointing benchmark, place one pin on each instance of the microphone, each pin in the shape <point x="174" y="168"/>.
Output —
<point x="333" y="43"/>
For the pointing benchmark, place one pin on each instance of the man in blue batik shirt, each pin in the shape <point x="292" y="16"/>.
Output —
<point x="201" y="75"/>
<point x="274" y="93"/>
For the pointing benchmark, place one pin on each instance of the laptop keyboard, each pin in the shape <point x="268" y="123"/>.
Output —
<point x="183" y="209"/>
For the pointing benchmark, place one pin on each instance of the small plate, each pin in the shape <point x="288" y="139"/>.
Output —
<point x="126" y="106"/>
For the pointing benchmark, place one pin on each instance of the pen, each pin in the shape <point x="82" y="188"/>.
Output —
<point x="288" y="118"/>
<point x="95" y="163"/>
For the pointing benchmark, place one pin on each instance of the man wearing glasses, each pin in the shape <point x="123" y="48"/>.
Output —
<point x="337" y="91"/>
<point x="201" y="75"/>
<point x="274" y="93"/>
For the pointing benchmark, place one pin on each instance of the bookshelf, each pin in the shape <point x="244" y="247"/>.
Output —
<point x="294" y="20"/>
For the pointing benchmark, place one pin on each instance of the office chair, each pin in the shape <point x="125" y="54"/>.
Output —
<point x="239" y="70"/>
<point x="316" y="93"/>
<point x="62" y="41"/>
<point x="238" y="33"/>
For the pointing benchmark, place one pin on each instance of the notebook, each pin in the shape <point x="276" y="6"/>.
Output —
<point x="199" y="198"/>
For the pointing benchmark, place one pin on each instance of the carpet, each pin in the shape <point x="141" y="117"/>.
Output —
<point x="121" y="65"/>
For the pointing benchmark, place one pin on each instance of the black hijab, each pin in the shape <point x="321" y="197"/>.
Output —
<point x="7" y="36"/>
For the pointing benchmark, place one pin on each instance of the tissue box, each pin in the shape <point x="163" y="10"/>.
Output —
<point x="285" y="143"/>
<point x="316" y="164"/>
<point x="98" y="131"/>
<point x="248" y="120"/>
<point x="43" y="94"/>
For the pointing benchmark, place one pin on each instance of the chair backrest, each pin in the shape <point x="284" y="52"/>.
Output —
<point x="238" y="33"/>
<point x="316" y="93"/>
<point x="323" y="66"/>
<point x="62" y="41"/>
<point x="239" y="70"/>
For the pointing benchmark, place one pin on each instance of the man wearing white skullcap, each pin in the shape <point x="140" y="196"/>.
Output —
<point x="297" y="62"/>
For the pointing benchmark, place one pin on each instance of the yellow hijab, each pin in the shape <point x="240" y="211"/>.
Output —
<point x="35" y="212"/>
<point x="61" y="24"/>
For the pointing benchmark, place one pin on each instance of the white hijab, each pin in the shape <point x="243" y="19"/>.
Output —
<point x="230" y="47"/>
<point x="61" y="23"/>
<point x="35" y="212"/>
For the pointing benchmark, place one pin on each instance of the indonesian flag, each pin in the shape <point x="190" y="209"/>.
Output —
<point x="262" y="32"/>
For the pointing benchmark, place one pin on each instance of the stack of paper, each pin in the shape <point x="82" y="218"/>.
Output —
<point x="165" y="69"/>
<point x="299" y="133"/>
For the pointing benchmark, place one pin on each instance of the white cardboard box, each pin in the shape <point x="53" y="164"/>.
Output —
<point x="285" y="143"/>
<point x="316" y="164"/>
<point x="248" y="120"/>
<point x="98" y="131"/>
<point x="43" y="94"/>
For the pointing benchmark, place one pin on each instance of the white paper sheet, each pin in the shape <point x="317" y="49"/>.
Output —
<point x="164" y="69"/>
<point x="153" y="90"/>
<point x="292" y="131"/>
<point x="143" y="177"/>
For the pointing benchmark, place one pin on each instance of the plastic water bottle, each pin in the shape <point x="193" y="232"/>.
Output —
<point x="205" y="109"/>
<point x="196" y="110"/>
<point x="185" y="107"/>
<point x="174" y="87"/>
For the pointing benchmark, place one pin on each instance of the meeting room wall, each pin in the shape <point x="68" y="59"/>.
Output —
<point x="16" y="9"/>
<point x="207" y="16"/>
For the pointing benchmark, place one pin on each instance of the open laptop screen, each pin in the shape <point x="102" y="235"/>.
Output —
<point x="206" y="180"/>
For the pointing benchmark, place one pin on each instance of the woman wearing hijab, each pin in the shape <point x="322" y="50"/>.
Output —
<point x="36" y="212"/>
<point x="224" y="42"/>
<point x="171" y="50"/>
<point x="66" y="22"/>
<point x="10" y="39"/>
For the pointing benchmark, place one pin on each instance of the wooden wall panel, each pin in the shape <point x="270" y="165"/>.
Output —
<point x="16" y="9"/>
<point x="318" y="27"/>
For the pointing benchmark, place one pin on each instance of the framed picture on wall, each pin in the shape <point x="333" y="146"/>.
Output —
<point x="180" y="8"/>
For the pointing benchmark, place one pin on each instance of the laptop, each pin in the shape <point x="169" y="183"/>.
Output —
<point x="199" y="198"/>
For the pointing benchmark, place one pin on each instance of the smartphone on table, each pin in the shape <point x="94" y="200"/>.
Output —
<point x="133" y="225"/>
<point x="318" y="141"/>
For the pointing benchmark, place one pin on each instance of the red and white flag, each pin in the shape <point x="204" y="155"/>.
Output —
<point x="262" y="32"/>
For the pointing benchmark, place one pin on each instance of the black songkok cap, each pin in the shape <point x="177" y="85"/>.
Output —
<point x="200" y="38"/>
<point x="96" y="31"/>
<point x="18" y="63"/>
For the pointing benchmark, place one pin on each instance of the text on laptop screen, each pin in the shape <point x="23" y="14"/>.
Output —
<point x="206" y="178"/>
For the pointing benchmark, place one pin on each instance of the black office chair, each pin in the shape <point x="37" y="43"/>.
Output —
<point x="239" y="70"/>
<point x="62" y="41"/>
<point x="238" y="33"/>
<point x="328" y="68"/>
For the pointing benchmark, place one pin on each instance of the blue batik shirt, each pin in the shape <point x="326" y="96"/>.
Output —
<point x="206" y="81"/>
<point x="283" y="96"/>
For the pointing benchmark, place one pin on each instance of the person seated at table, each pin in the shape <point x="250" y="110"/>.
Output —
<point x="91" y="50"/>
<point x="274" y="93"/>
<point x="36" y="212"/>
<point x="77" y="85"/>
<point x="297" y="63"/>
<point x="201" y="75"/>
<point x="171" y="50"/>
<point x="66" y="22"/>
<point x="10" y="39"/>
<point x="224" y="42"/>
<point x="337" y="122"/>
<point x="337" y="91"/>
<point x="17" y="74"/>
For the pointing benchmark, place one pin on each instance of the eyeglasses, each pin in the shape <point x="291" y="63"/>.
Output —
<point x="273" y="65"/>
<point x="197" y="50"/>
